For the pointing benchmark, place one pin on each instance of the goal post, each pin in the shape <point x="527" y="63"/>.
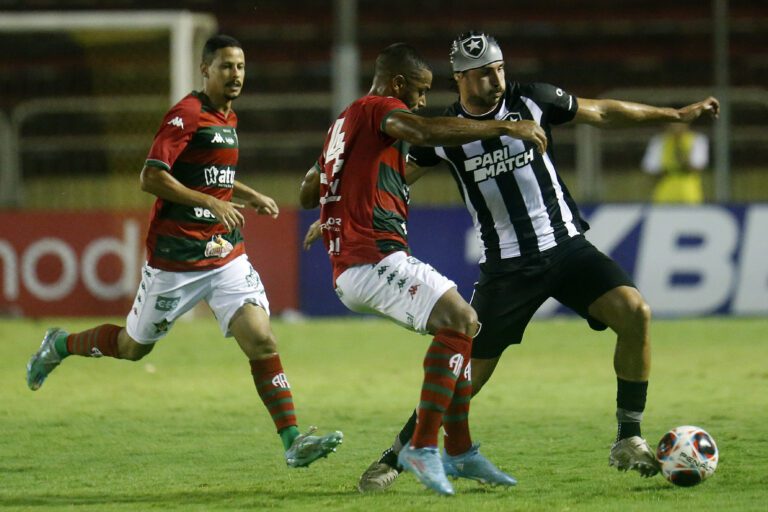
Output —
<point x="118" y="71"/>
<point x="185" y="29"/>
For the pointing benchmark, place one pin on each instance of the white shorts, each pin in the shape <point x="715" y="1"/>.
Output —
<point x="164" y="296"/>
<point x="399" y="287"/>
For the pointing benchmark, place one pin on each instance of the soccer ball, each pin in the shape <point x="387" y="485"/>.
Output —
<point x="687" y="455"/>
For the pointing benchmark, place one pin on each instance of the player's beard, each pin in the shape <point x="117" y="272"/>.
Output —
<point x="233" y="96"/>
<point x="494" y="97"/>
<point x="485" y="102"/>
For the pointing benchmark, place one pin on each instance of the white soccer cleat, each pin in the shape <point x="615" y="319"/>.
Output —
<point x="635" y="454"/>
<point x="377" y="477"/>
<point x="307" y="448"/>
<point x="45" y="360"/>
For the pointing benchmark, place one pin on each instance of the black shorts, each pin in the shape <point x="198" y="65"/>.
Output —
<point x="510" y="291"/>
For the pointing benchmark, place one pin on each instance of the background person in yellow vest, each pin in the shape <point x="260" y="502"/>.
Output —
<point x="678" y="156"/>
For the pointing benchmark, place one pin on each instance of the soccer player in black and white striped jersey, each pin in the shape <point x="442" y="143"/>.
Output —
<point x="533" y="235"/>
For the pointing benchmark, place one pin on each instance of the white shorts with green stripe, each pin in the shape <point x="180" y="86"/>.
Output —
<point x="164" y="296"/>
<point x="399" y="287"/>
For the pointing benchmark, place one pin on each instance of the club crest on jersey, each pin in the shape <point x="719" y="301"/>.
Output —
<point x="474" y="47"/>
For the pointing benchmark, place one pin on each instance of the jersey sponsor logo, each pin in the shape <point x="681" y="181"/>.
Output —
<point x="474" y="46"/>
<point x="177" y="122"/>
<point x="219" y="139"/>
<point x="455" y="363"/>
<point x="203" y="213"/>
<point x="217" y="247"/>
<point x="280" y="381"/>
<point x="331" y="224"/>
<point x="166" y="303"/>
<point x="215" y="177"/>
<point x="490" y="165"/>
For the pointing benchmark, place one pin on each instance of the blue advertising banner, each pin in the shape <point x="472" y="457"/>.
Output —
<point x="438" y="236"/>
<point x="687" y="261"/>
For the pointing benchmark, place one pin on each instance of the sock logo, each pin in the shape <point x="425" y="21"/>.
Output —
<point x="455" y="363"/>
<point x="280" y="381"/>
<point x="468" y="371"/>
<point x="95" y="352"/>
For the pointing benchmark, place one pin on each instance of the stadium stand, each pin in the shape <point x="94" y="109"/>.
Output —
<point x="589" y="47"/>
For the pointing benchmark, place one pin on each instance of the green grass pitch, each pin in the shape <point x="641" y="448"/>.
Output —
<point x="184" y="429"/>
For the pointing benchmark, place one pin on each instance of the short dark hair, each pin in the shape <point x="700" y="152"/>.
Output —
<point x="399" y="58"/>
<point x="218" y="42"/>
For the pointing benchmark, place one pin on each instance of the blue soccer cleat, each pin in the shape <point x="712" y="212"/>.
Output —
<point x="426" y="465"/>
<point x="472" y="465"/>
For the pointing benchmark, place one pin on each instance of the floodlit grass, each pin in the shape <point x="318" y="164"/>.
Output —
<point x="184" y="429"/>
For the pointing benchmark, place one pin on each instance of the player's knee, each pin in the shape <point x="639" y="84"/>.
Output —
<point x="639" y="313"/>
<point x="260" y="343"/>
<point x="262" y="334"/>
<point x="464" y="320"/>
<point x="635" y="315"/>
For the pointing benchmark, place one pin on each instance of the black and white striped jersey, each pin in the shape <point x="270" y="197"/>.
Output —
<point x="518" y="202"/>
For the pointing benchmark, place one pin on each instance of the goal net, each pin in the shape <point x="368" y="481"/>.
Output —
<point x="82" y="95"/>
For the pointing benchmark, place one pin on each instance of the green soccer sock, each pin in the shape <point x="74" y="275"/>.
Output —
<point x="60" y="344"/>
<point x="288" y="434"/>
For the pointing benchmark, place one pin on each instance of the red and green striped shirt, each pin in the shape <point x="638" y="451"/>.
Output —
<point x="363" y="193"/>
<point x="198" y="145"/>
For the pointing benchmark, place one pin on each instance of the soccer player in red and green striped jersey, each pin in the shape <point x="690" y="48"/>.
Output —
<point x="195" y="251"/>
<point x="359" y="183"/>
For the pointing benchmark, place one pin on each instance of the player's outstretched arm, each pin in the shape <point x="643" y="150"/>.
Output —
<point x="264" y="205"/>
<point x="313" y="234"/>
<point x="162" y="184"/>
<point x="309" y="193"/>
<point x="454" y="131"/>
<point x="617" y="113"/>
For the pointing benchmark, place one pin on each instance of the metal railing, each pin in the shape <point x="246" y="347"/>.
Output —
<point x="587" y="143"/>
<point x="591" y="141"/>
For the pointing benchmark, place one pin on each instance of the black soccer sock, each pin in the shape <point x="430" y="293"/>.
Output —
<point x="389" y="456"/>
<point x="405" y="434"/>
<point x="630" y="404"/>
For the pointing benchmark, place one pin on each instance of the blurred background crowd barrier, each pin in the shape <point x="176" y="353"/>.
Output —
<point x="82" y="92"/>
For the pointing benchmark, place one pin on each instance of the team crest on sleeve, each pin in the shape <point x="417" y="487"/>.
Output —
<point x="474" y="46"/>
<point x="177" y="122"/>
